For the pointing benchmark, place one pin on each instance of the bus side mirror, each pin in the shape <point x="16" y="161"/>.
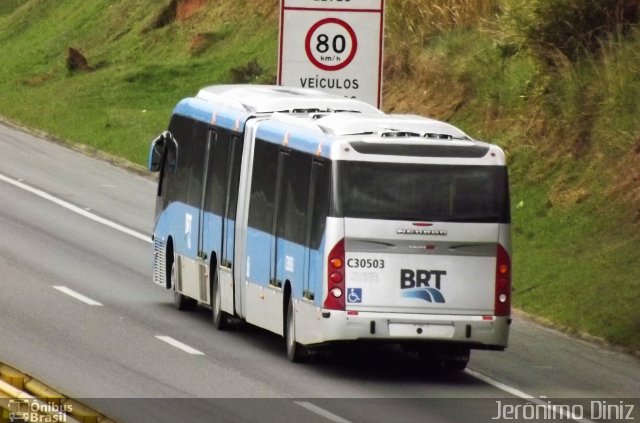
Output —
<point x="157" y="151"/>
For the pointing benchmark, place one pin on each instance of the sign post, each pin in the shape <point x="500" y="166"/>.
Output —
<point x="334" y="46"/>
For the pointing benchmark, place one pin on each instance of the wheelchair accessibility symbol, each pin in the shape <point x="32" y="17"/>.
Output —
<point x="354" y="295"/>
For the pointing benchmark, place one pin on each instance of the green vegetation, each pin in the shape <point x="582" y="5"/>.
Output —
<point x="8" y="6"/>
<point x="555" y="82"/>
<point x="140" y="66"/>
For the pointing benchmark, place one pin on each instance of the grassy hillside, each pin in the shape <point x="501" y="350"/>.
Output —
<point x="144" y="56"/>
<point x="565" y="104"/>
<point x="557" y="87"/>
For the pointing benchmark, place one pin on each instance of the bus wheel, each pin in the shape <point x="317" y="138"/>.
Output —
<point x="182" y="303"/>
<point x="454" y="365"/>
<point x="295" y="352"/>
<point x="457" y="361"/>
<point x="220" y="318"/>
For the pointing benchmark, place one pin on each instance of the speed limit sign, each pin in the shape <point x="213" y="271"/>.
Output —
<point x="333" y="45"/>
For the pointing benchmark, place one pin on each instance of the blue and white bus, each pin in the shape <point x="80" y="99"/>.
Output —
<point x="326" y="221"/>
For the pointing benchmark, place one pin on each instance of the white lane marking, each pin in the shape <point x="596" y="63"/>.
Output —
<point x="188" y="349"/>
<point x="321" y="412"/>
<point x="506" y="388"/>
<point x="177" y="344"/>
<point x="77" y="296"/>
<point x="74" y="208"/>
<point x="518" y="393"/>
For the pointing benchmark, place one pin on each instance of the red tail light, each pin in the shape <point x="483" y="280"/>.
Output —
<point x="503" y="283"/>
<point x="335" y="278"/>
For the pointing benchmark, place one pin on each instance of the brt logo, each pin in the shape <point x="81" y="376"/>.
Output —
<point x="415" y="284"/>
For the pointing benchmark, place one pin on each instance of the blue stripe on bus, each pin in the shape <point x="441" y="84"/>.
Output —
<point x="308" y="142"/>
<point x="172" y="222"/>
<point x="271" y="131"/>
<point x="290" y="254"/>
<point x="202" y="111"/>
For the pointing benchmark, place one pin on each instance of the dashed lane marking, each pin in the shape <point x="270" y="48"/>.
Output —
<point x="77" y="296"/>
<point x="179" y="345"/>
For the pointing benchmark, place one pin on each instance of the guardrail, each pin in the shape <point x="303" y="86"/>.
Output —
<point x="25" y="399"/>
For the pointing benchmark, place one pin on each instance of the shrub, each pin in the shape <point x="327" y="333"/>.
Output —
<point x="414" y="21"/>
<point x="569" y="27"/>
<point x="245" y="74"/>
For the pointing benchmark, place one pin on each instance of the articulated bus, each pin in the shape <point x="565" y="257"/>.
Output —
<point x="327" y="221"/>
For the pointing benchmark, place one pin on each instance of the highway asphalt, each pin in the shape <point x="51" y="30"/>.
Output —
<point x="79" y="312"/>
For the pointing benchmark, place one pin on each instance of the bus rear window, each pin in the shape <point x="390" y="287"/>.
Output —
<point x="436" y="193"/>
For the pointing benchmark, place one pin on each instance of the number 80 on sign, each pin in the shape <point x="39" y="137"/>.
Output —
<point x="331" y="44"/>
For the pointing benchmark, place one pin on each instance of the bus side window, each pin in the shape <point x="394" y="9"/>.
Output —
<point x="321" y="188"/>
<point x="293" y="201"/>
<point x="263" y="186"/>
<point x="174" y="180"/>
<point x="171" y="159"/>
<point x="234" y="176"/>
<point x="197" y="146"/>
<point x="168" y="167"/>
<point x="218" y="162"/>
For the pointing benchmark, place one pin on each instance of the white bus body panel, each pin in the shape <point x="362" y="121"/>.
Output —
<point x="264" y="307"/>
<point x="468" y="256"/>
<point x="242" y="267"/>
<point x="416" y="327"/>
<point x="309" y="324"/>
<point x="225" y="279"/>
<point x="383" y="266"/>
<point x="192" y="279"/>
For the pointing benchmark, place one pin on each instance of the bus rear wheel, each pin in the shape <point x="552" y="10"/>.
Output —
<point x="445" y="360"/>
<point x="296" y="353"/>
<point x="454" y="365"/>
<point x="219" y="317"/>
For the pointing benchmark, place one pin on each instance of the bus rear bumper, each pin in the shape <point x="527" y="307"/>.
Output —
<point x="483" y="332"/>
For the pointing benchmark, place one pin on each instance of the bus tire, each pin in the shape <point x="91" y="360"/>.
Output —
<point x="219" y="317"/>
<point x="458" y="360"/>
<point x="296" y="353"/>
<point x="448" y="361"/>
<point x="452" y="366"/>
<point x="182" y="302"/>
